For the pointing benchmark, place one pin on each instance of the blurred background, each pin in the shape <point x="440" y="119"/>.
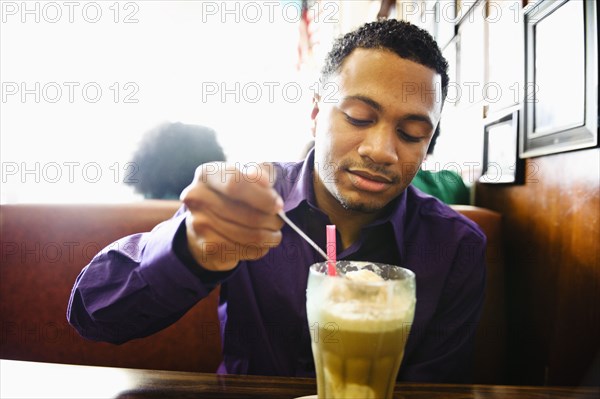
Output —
<point x="83" y="81"/>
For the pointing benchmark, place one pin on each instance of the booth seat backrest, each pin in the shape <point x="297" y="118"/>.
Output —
<point x="44" y="248"/>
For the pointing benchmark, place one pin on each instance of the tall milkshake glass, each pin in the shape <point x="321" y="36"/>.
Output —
<point x="359" y="322"/>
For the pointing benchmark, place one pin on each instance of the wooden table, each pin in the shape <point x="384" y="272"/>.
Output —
<point x="47" y="380"/>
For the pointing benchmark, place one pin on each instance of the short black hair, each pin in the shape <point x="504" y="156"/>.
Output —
<point x="436" y="135"/>
<point x="401" y="37"/>
<point x="167" y="158"/>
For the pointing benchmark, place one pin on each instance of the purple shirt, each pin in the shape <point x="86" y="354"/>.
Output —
<point x="145" y="282"/>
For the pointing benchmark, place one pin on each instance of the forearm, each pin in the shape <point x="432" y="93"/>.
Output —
<point x="135" y="287"/>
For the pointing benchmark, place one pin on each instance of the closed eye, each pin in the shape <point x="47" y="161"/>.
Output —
<point x="407" y="137"/>
<point x="358" y="122"/>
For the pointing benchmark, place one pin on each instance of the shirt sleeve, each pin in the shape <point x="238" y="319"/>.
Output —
<point x="445" y="351"/>
<point x="139" y="285"/>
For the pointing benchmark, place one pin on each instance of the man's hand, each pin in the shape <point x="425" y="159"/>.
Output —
<point x="232" y="214"/>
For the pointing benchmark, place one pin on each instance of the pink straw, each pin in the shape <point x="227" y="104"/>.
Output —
<point x="331" y="249"/>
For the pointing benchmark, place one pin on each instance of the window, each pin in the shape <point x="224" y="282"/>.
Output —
<point x="82" y="82"/>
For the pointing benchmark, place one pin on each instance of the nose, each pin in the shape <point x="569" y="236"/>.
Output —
<point x="379" y="145"/>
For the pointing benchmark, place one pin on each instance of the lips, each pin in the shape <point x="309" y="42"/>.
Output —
<point x="367" y="181"/>
<point x="371" y="176"/>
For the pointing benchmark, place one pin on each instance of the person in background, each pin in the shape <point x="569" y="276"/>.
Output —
<point x="168" y="156"/>
<point x="370" y="140"/>
<point x="446" y="185"/>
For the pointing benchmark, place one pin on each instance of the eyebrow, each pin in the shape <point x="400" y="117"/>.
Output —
<point x="378" y="107"/>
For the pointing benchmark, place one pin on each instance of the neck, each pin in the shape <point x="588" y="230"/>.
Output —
<point x="348" y="222"/>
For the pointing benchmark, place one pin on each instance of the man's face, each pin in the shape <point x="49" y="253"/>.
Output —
<point x="373" y="134"/>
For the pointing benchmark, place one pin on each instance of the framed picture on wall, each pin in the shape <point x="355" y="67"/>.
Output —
<point x="471" y="56"/>
<point x="446" y="17"/>
<point x="501" y="163"/>
<point x="561" y="83"/>
<point x="506" y="49"/>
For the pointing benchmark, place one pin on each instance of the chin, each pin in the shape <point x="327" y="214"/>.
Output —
<point x="357" y="205"/>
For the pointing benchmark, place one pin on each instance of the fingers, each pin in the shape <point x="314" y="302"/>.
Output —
<point x="232" y="214"/>
<point x="214" y="251"/>
<point x="251" y="186"/>
<point x="219" y="206"/>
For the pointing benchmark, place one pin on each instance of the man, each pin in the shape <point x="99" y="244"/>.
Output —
<point x="370" y="138"/>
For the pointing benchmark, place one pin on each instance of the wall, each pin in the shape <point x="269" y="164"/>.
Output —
<point x="552" y="241"/>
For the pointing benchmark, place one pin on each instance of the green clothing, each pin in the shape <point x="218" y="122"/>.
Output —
<point x="445" y="185"/>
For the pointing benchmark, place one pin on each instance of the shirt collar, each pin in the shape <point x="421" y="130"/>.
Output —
<point x="397" y="219"/>
<point x="301" y="178"/>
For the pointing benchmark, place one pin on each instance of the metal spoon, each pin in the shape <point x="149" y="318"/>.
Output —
<point x="302" y="234"/>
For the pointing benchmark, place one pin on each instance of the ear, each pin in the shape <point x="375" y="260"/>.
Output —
<point x="313" y="115"/>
